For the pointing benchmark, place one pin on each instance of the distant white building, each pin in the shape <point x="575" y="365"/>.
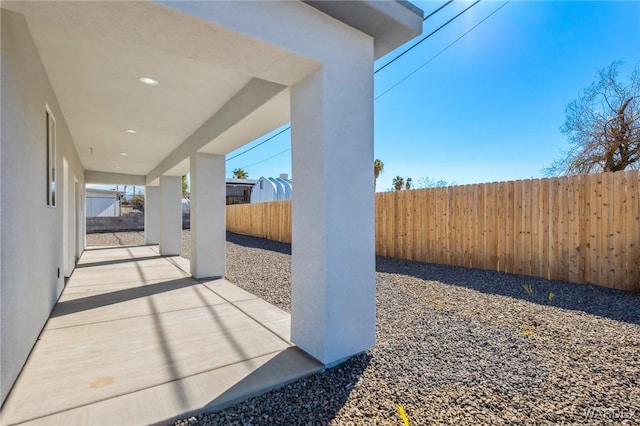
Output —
<point x="186" y="206"/>
<point x="271" y="189"/>
<point x="102" y="202"/>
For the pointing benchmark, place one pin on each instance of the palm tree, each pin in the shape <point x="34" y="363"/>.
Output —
<point x="240" y="174"/>
<point x="408" y="184"/>
<point x="398" y="183"/>
<point x="378" y="167"/>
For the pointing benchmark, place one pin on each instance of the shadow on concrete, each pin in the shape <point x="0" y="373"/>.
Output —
<point x="319" y="396"/>
<point x="216" y="317"/>
<point x="595" y="300"/>
<point x="167" y="353"/>
<point x="92" y="248"/>
<point x="117" y="261"/>
<point x="96" y="301"/>
<point x="262" y="379"/>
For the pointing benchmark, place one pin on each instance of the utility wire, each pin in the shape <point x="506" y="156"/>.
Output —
<point x="384" y="66"/>
<point x="262" y="161"/>
<point x="426" y="37"/>
<point x="423" y="39"/>
<point x="441" y="52"/>
<point x="437" y="10"/>
<point x="257" y="145"/>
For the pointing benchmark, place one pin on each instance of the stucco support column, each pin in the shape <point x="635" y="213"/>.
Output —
<point x="333" y="262"/>
<point x="208" y="225"/>
<point x="170" y="215"/>
<point x="151" y="215"/>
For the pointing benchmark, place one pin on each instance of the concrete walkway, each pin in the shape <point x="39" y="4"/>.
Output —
<point x="135" y="340"/>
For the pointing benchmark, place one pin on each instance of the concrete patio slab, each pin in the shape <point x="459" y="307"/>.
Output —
<point x="229" y="291"/>
<point x="99" y="306"/>
<point x="140" y="352"/>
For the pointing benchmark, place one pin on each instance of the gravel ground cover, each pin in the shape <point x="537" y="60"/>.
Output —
<point x="115" y="239"/>
<point x="457" y="346"/>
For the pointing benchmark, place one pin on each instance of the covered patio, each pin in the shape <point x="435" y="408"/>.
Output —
<point x="134" y="339"/>
<point x="141" y="93"/>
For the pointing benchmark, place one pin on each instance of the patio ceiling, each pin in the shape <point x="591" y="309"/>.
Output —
<point x="220" y="85"/>
<point x="96" y="52"/>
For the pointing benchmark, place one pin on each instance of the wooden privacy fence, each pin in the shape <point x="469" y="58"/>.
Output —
<point x="582" y="229"/>
<point x="267" y="220"/>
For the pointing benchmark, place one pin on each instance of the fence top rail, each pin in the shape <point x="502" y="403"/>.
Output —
<point x="628" y="173"/>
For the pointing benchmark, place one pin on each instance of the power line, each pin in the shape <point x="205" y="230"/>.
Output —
<point x="426" y="37"/>
<point x="437" y="10"/>
<point x="384" y="66"/>
<point x="257" y="145"/>
<point x="262" y="161"/>
<point x="441" y="52"/>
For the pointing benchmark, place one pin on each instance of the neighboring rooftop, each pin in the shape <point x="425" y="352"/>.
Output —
<point x="233" y="181"/>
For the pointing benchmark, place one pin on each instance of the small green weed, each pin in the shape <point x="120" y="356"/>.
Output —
<point x="528" y="289"/>
<point x="526" y="331"/>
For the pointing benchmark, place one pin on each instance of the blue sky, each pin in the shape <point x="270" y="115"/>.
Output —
<point x="490" y="107"/>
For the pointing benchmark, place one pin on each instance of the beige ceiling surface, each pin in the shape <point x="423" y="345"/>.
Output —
<point x="95" y="52"/>
<point x="97" y="84"/>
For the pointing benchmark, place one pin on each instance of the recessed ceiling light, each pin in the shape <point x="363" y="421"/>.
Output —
<point x="123" y="154"/>
<point x="149" y="81"/>
<point x="117" y="167"/>
<point x="131" y="131"/>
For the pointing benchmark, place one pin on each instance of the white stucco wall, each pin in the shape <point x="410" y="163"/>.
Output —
<point x="31" y="245"/>
<point x="208" y="224"/>
<point x="333" y="261"/>
<point x="152" y="215"/>
<point x="333" y="257"/>
<point x="170" y="215"/>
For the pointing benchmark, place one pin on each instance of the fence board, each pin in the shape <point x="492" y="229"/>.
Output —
<point x="595" y="203"/>
<point x="535" y="227"/>
<point x="490" y="252"/>
<point x="501" y="215"/>
<point x="578" y="229"/>
<point x="422" y="219"/>
<point x="563" y="253"/>
<point x="433" y="228"/>
<point x="416" y="219"/>
<point x="572" y="223"/>
<point x="618" y="248"/>
<point x="526" y="208"/>
<point x="378" y="230"/>
<point x="518" y="228"/>
<point x="585" y="219"/>
<point x="632" y="232"/>
<point x="385" y="225"/>
<point x="455" y="226"/>
<point x="479" y="215"/>
<point x="603" y="228"/>
<point x="545" y="193"/>
<point x="610" y="243"/>
<point x="554" y="235"/>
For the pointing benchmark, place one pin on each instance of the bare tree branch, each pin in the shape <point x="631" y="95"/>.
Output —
<point x="602" y="126"/>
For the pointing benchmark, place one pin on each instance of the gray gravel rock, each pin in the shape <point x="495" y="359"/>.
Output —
<point x="115" y="239"/>
<point x="449" y="348"/>
<point x="456" y="346"/>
